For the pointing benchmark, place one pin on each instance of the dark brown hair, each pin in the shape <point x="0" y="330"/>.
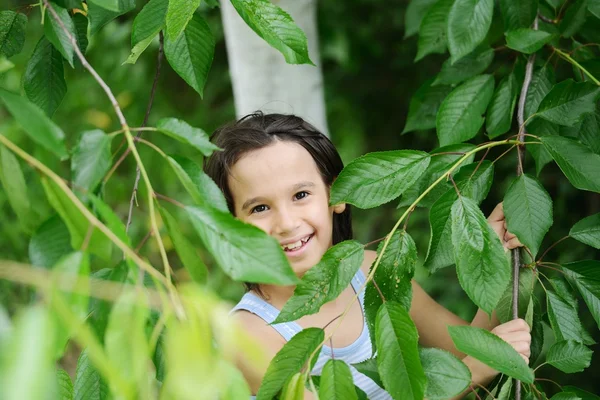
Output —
<point x="256" y="131"/>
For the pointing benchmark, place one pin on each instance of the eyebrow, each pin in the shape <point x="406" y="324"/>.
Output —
<point x="297" y="186"/>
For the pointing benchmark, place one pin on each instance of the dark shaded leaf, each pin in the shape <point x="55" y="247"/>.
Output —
<point x="574" y="18"/>
<point x="49" y="243"/>
<point x="12" y="33"/>
<point x="467" y="67"/>
<point x="502" y="107"/>
<point x="518" y="14"/>
<point x="587" y="231"/>
<point x="415" y="11"/>
<point x="433" y="29"/>
<point x="424" y="105"/>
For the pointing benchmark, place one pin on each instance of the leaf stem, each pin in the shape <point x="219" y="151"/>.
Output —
<point x="568" y="58"/>
<point x="552" y="246"/>
<point x="402" y="217"/>
<point x="549" y="380"/>
<point x="552" y="268"/>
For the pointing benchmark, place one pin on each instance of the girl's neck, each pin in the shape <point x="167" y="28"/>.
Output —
<point x="276" y="295"/>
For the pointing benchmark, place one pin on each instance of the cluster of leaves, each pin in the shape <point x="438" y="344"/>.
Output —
<point x="128" y="355"/>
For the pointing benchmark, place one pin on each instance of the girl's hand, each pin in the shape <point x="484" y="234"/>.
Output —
<point x="517" y="334"/>
<point x="498" y="223"/>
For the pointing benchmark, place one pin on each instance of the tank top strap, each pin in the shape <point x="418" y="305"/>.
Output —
<point x="254" y="304"/>
<point x="357" y="281"/>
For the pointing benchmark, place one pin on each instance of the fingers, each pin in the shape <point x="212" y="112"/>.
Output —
<point x="517" y="334"/>
<point x="512" y="326"/>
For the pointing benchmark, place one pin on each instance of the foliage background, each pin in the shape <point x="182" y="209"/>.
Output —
<point x="369" y="77"/>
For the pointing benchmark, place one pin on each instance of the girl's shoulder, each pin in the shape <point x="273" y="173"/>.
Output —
<point x="370" y="256"/>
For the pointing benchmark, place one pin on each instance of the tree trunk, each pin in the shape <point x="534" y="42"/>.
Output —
<point x="261" y="78"/>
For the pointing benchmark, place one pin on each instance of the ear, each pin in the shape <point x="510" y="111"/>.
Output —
<point x="339" y="208"/>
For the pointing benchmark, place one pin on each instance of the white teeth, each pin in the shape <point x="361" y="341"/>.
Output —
<point x="295" y="245"/>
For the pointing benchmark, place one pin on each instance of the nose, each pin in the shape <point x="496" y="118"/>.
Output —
<point x="287" y="221"/>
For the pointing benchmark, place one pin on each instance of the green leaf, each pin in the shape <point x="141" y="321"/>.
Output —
<point x="569" y="356"/>
<point x="460" y="115"/>
<point x="336" y="381"/>
<point x="377" y="178"/>
<point x="398" y="357"/>
<point x="186" y="251"/>
<point x="89" y="385"/>
<point x="81" y="29"/>
<point x="49" y="243"/>
<point x="528" y="211"/>
<point x="393" y="277"/>
<point x="64" y="385"/>
<point x="565" y="396"/>
<point x="585" y="276"/>
<point x="100" y="16"/>
<point x="70" y="4"/>
<point x="581" y="393"/>
<point x="447" y="376"/>
<point x="294" y="388"/>
<point x="114" y="5"/>
<point x="289" y="360"/>
<point x="191" y="53"/>
<point x="35" y="123"/>
<point x="276" y="27"/>
<point x="491" y="350"/>
<point x="502" y="107"/>
<point x="146" y="25"/>
<point x="433" y="29"/>
<point x="518" y="14"/>
<point x="27" y="363"/>
<point x="415" y="12"/>
<point x="243" y="251"/>
<point x="564" y="319"/>
<point x="587" y="231"/>
<point x="482" y="266"/>
<point x="424" y="105"/>
<point x="574" y="18"/>
<point x="57" y="36"/>
<point x="179" y="13"/>
<point x="505" y="390"/>
<point x="12" y="33"/>
<point x="125" y="339"/>
<point x="15" y="187"/>
<point x="527" y="40"/>
<point x="468" y="24"/>
<point x="467" y="67"/>
<point x="440" y="163"/>
<point x="100" y="309"/>
<point x="109" y="218"/>
<point x="505" y="305"/>
<point x="187" y="134"/>
<point x="589" y="133"/>
<point x="540" y="127"/>
<point x="44" y="77"/>
<point x="579" y="164"/>
<point x="541" y="83"/>
<point x="594" y="7"/>
<point x="78" y="225"/>
<point x="473" y="182"/>
<point x="568" y="101"/>
<point x="200" y="186"/>
<point x="324" y="282"/>
<point x="368" y="367"/>
<point x="91" y="159"/>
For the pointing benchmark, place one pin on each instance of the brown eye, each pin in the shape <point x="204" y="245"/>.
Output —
<point x="259" y="209"/>
<point x="300" y="195"/>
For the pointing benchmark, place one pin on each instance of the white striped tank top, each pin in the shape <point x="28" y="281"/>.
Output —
<point x="355" y="352"/>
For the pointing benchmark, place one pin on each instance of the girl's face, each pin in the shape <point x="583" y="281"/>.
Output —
<point x="280" y="190"/>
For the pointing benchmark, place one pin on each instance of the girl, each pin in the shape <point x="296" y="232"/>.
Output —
<point x="276" y="171"/>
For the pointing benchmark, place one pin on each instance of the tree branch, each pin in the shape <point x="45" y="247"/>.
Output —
<point x="516" y="255"/>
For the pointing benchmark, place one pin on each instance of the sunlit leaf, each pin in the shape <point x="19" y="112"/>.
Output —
<point x="276" y="27"/>
<point x="336" y="381"/>
<point x="491" y="350"/>
<point x="110" y="219"/>
<point x="398" y="355"/>
<point x="482" y="266"/>
<point x="187" y="134"/>
<point x="15" y="187"/>
<point x="35" y="123"/>
<point x="433" y="29"/>
<point x="568" y="101"/>
<point x="146" y="25"/>
<point x="113" y="5"/>
<point x="179" y="13"/>
<point x="294" y="388"/>
<point x="12" y="32"/>
<point x="468" y="25"/>
<point x="64" y="385"/>
<point x="186" y="251"/>
<point x="460" y="115"/>
<point x="569" y="356"/>
<point x="44" y="77"/>
<point x="579" y="164"/>
<point x="89" y="385"/>
<point x="56" y="34"/>
<point x="100" y="16"/>
<point x="377" y="178"/>
<point x="289" y="360"/>
<point x="323" y="282"/>
<point x="502" y="107"/>
<point x="528" y="211"/>
<point x="243" y="251"/>
<point x="446" y="375"/>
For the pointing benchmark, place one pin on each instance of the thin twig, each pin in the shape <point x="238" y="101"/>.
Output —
<point x="378" y="290"/>
<point x="479" y="163"/>
<point x="475" y="392"/>
<point x="170" y="200"/>
<point x="575" y="63"/>
<point x="546" y="19"/>
<point x="503" y="154"/>
<point x="549" y="380"/>
<point x="484" y="389"/>
<point x="143" y="241"/>
<point x="552" y="268"/>
<point x="552" y="246"/>
<point x="374" y="242"/>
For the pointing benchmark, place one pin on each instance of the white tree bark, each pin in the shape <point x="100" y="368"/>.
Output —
<point x="261" y="78"/>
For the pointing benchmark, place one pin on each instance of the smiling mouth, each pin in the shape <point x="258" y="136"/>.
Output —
<point x="292" y="247"/>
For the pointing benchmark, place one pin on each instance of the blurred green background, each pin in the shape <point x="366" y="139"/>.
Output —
<point x="369" y="77"/>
